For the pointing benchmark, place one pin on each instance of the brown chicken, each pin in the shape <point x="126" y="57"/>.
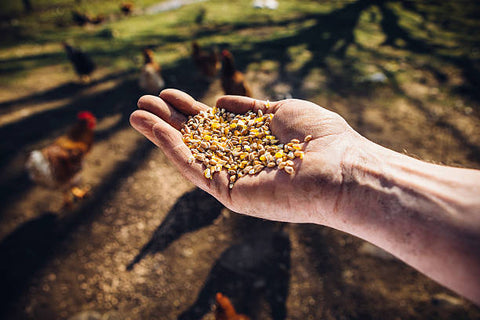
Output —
<point x="82" y="19"/>
<point x="233" y="81"/>
<point x="127" y="8"/>
<point x="151" y="80"/>
<point x="58" y="165"/>
<point x="225" y="311"/>
<point x="207" y="62"/>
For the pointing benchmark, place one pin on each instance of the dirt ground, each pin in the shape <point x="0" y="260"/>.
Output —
<point x="147" y="244"/>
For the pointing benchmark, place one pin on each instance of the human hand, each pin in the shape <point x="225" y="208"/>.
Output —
<point x="312" y="194"/>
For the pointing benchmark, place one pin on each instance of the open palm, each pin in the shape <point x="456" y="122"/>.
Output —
<point x="307" y="196"/>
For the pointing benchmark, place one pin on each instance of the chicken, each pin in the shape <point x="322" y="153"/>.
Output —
<point x="225" y="311"/>
<point x="82" y="19"/>
<point x="151" y="80"/>
<point x="82" y="63"/>
<point x="207" y="62"/>
<point x="233" y="81"/>
<point x="57" y="166"/>
<point x="126" y="8"/>
<point x="269" y="4"/>
<point x="98" y="19"/>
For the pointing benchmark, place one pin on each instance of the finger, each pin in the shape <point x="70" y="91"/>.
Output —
<point x="170" y="141"/>
<point x="241" y="104"/>
<point x="182" y="101"/>
<point x="163" y="110"/>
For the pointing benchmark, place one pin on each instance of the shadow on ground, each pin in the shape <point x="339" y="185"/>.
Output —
<point x="253" y="269"/>
<point x="192" y="211"/>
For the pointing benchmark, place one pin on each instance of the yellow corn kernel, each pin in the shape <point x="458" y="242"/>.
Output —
<point x="207" y="173"/>
<point x="233" y="125"/>
<point x="279" y="154"/>
<point x="215" y="125"/>
<point x="263" y="158"/>
<point x="299" y="154"/>
<point x="297" y="147"/>
<point x="207" y="137"/>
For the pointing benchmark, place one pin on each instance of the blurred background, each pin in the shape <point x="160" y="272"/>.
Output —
<point x="137" y="241"/>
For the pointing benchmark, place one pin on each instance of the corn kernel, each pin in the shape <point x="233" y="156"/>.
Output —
<point x="289" y="170"/>
<point x="240" y="144"/>
<point x="299" y="154"/>
<point x="207" y="173"/>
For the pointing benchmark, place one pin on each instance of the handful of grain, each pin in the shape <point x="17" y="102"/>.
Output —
<point x="239" y="143"/>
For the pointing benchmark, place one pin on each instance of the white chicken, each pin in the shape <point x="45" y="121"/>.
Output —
<point x="151" y="80"/>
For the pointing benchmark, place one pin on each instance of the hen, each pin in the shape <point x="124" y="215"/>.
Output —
<point x="225" y="311"/>
<point x="58" y="165"/>
<point x="207" y="62"/>
<point x="151" y="80"/>
<point x="82" y="63"/>
<point x="233" y="81"/>
<point x="126" y="8"/>
<point x="82" y="19"/>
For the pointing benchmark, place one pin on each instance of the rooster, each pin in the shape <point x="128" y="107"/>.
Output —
<point x="225" y="311"/>
<point x="233" y="81"/>
<point x="57" y="166"/>
<point x="82" y="63"/>
<point x="151" y="80"/>
<point x="207" y="63"/>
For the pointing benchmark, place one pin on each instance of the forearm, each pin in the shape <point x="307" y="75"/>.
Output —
<point x="425" y="214"/>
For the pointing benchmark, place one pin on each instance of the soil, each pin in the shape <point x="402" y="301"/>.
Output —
<point x="147" y="244"/>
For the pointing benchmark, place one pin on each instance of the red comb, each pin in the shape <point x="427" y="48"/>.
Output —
<point x="225" y="53"/>
<point x="87" y="115"/>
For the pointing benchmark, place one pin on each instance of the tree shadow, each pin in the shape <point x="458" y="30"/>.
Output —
<point x="256" y="267"/>
<point x="440" y="121"/>
<point x="394" y="31"/>
<point x="192" y="211"/>
<point x="61" y="92"/>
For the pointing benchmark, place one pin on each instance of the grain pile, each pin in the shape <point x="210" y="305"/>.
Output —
<point x="241" y="144"/>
